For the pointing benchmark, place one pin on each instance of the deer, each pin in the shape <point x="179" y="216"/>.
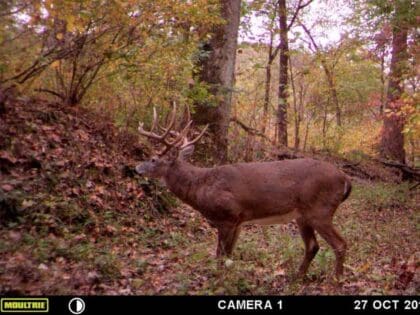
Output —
<point x="230" y="196"/>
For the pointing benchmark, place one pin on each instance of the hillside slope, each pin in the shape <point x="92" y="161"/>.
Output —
<point x="70" y="207"/>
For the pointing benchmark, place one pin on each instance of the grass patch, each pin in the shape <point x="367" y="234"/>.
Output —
<point x="381" y="196"/>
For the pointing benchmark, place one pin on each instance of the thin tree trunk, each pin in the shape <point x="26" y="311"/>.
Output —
<point x="283" y="76"/>
<point x="295" y="108"/>
<point x="305" y="139"/>
<point x="324" y="124"/>
<point x="333" y="92"/>
<point x="299" y="116"/>
<point x="382" y="105"/>
<point x="267" y="84"/>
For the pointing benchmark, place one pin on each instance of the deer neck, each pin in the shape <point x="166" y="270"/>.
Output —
<point x="182" y="179"/>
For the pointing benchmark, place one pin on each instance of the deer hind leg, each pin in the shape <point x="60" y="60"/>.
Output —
<point x="335" y="240"/>
<point x="311" y="245"/>
<point x="227" y="237"/>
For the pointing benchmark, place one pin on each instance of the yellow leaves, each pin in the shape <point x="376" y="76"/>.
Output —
<point x="59" y="36"/>
<point x="55" y="64"/>
<point x="71" y="26"/>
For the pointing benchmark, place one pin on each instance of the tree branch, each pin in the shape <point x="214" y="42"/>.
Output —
<point x="24" y="6"/>
<point x="250" y="130"/>
<point x="310" y="36"/>
<point x="408" y="172"/>
<point x="50" y="92"/>
<point x="299" y="7"/>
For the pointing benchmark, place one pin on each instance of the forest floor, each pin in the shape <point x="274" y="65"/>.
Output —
<point x="74" y="219"/>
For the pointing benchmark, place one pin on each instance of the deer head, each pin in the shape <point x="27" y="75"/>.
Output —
<point x="176" y="145"/>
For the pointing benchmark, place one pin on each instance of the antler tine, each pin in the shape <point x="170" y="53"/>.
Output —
<point x="162" y="152"/>
<point x="176" y="137"/>
<point x="148" y="133"/>
<point x="188" y="112"/>
<point x="187" y="142"/>
<point x="155" y="119"/>
<point x="171" y="122"/>
<point x="180" y="136"/>
<point x="155" y="124"/>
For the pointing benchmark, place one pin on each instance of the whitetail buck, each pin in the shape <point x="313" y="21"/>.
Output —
<point x="229" y="196"/>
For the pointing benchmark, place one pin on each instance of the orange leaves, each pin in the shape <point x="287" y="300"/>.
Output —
<point x="55" y="64"/>
<point x="406" y="110"/>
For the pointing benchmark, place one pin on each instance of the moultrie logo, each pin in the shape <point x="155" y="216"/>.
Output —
<point x="24" y="305"/>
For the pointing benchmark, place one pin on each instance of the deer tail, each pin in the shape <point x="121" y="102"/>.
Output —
<point x="347" y="189"/>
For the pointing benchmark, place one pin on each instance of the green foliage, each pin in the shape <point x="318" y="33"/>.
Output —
<point x="199" y="93"/>
<point x="383" y="196"/>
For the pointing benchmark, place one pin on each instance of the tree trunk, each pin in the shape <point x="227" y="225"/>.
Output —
<point x="333" y="92"/>
<point x="3" y="99"/>
<point x="382" y="105"/>
<point x="392" y="141"/>
<point x="299" y="116"/>
<point x="218" y="71"/>
<point x="267" y="85"/>
<point x="296" y="114"/>
<point x="283" y="76"/>
<point x="324" y="124"/>
<point x="305" y="139"/>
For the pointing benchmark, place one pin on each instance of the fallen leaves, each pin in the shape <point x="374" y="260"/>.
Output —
<point x="6" y="157"/>
<point x="406" y="272"/>
<point x="7" y="187"/>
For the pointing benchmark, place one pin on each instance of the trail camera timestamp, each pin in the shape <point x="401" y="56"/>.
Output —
<point x="393" y="304"/>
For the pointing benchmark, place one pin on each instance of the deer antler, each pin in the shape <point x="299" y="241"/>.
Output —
<point x="186" y="142"/>
<point x="179" y="140"/>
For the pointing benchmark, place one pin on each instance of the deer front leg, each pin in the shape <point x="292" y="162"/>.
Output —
<point x="227" y="236"/>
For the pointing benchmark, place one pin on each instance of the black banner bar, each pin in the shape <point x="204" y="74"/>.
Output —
<point x="211" y="304"/>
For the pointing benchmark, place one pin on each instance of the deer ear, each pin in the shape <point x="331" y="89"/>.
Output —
<point x="186" y="152"/>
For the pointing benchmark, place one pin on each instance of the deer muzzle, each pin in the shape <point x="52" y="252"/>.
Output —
<point x="141" y="169"/>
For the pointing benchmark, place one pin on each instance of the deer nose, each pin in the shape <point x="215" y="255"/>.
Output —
<point x="139" y="170"/>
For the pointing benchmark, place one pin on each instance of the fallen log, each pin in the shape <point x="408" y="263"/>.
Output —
<point x="408" y="173"/>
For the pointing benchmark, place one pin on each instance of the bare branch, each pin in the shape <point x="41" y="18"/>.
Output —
<point x="50" y="92"/>
<point x="250" y="130"/>
<point x="299" y="8"/>
<point x="23" y="7"/>
<point x="309" y="35"/>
